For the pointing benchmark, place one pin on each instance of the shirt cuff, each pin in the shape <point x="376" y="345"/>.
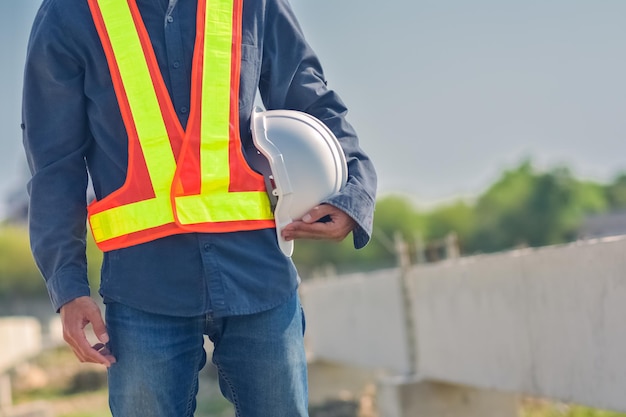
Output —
<point x="67" y="285"/>
<point x="358" y="206"/>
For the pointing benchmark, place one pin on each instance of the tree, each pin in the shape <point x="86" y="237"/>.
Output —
<point x="616" y="193"/>
<point x="535" y="209"/>
<point x="458" y="217"/>
<point x="500" y="212"/>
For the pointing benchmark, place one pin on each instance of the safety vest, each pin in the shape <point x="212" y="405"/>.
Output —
<point x="178" y="180"/>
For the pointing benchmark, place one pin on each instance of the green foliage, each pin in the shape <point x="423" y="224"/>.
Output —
<point x="499" y="211"/>
<point x="545" y="408"/>
<point x="394" y="214"/>
<point x="458" y="218"/>
<point x="616" y="193"/>
<point x="534" y="209"/>
<point x="94" y="262"/>
<point x="524" y="207"/>
<point x="19" y="275"/>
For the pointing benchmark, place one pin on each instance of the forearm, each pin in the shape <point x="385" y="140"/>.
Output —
<point x="58" y="234"/>
<point x="292" y="78"/>
<point x="56" y="139"/>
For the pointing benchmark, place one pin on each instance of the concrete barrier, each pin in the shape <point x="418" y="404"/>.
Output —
<point x="416" y="397"/>
<point x="357" y="320"/>
<point x="20" y="338"/>
<point x="547" y="322"/>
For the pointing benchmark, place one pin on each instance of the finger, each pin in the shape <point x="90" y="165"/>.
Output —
<point x="94" y="356"/>
<point x="84" y="351"/>
<point x="338" y="226"/>
<point x="98" y="326"/>
<point x="104" y="351"/>
<point x="76" y="315"/>
<point x="99" y="351"/>
<point x="78" y="350"/>
<point x="314" y="216"/>
<point x="77" y="353"/>
<point x="318" y="212"/>
<point x="332" y="230"/>
<point x="302" y="230"/>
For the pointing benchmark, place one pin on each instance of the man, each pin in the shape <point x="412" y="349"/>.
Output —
<point x="132" y="92"/>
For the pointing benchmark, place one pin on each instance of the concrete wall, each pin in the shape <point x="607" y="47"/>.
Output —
<point x="357" y="320"/>
<point x="414" y="397"/>
<point x="549" y="322"/>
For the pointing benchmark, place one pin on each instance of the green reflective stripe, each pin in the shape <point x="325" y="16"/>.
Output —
<point x="140" y="92"/>
<point x="216" y="77"/>
<point x="216" y="203"/>
<point x="218" y="207"/>
<point x="130" y="218"/>
<point x="151" y="130"/>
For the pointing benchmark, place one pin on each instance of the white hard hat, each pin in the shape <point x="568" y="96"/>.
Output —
<point x="304" y="163"/>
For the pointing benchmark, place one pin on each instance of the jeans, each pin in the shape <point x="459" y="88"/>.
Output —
<point x="259" y="357"/>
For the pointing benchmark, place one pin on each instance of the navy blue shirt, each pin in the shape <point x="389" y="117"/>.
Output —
<point x="73" y="130"/>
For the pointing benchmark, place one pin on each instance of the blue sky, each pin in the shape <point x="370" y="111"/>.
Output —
<point x="447" y="93"/>
<point x="444" y="93"/>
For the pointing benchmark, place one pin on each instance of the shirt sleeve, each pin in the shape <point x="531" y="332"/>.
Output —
<point x="56" y="137"/>
<point x="292" y="78"/>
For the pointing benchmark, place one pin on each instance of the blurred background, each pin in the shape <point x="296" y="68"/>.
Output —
<point x="494" y="125"/>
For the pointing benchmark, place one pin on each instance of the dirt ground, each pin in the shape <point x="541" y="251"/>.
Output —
<point x="57" y="382"/>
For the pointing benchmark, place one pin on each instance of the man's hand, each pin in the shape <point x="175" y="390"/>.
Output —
<point x="335" y="225"/>
<point x="75" y="316"/>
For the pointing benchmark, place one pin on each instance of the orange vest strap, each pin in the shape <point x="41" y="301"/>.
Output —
<point x="193" y="180"/>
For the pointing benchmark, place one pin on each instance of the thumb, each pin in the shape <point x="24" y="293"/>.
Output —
<point x="317" y="213"/>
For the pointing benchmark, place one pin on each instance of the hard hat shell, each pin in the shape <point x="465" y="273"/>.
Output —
<point x="306" y="163"/>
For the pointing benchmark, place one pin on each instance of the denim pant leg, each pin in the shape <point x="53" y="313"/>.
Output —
<point x="261" y="361"/>
<point x="158" y="359"/>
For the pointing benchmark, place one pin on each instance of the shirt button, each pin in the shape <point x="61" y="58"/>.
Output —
<point x="176" y="64"/>
<point x="170" y="19"/>
<point x="207" y="247"/>
<point x="183" y="109"/>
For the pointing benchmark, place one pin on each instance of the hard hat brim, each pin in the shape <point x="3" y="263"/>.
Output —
<point x="307" y="163"/>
